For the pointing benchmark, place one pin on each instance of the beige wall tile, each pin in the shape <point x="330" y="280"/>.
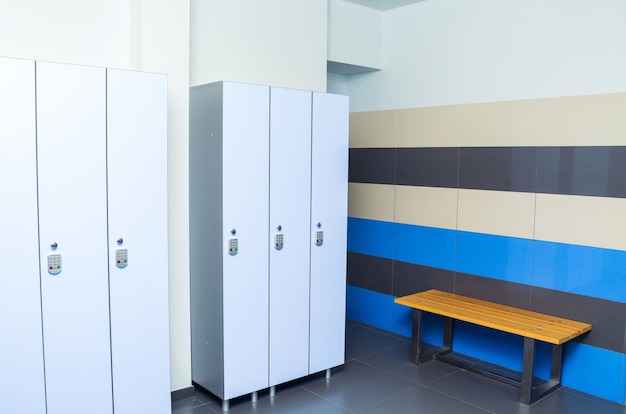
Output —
<point x="428" y="127"/>
<point x="375" y="129"/>
<point x="503" y="213"/>
<point x="499" y="124"/>
<point x="583" y="120"/>
<point x="587" y="221"/>
<point x="426" y="206"/>
<point x="371" y="201"/>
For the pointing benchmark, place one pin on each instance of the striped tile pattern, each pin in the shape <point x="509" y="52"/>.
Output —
<point x="522" y="203"/>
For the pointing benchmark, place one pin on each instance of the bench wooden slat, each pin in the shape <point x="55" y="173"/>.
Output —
<point x="533" y="319"/>
<point x="547" y="328"/>
<point x="512" y="320"/>
<point x="517" y="311"/>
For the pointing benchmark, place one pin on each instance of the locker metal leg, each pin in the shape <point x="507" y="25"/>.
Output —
<point x="225" y="405"/>
<point x="273" y="391"/>
<point x="328" y="374"/>
<point x="254" y="396"/>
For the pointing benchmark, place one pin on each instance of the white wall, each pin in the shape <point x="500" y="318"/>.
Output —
<point x="277" y="42"/>
<point x="92" y="33"/>
<point x="355" y="34"/>
<point x="457" y="51"/>
<point x="160" y="43"/>
<point x="148" y="35"/>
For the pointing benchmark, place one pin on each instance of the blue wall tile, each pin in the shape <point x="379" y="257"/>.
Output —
<point x="497" y="257"/>
<point x="425" y="246"/>
<point x="583" y="270"/>
<point x="371" y="237"/>
<point x="369" y="307"/>
<point x="594" y="371"/>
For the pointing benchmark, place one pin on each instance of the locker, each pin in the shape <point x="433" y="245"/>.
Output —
<point x="329" y="200"/>
<point x="83" y="167"/>
<point x="21" y="350"/>
<point x="137" y="225"/>
<point x="229" y="160"/>
<point x="290" y="211"/>
<point x="71" y="154"/>
<point x="272" y="161"/>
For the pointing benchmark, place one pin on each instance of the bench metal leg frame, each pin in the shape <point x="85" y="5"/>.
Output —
<point x="531" y="388"/>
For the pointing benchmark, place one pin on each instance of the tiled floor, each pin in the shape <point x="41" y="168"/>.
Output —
<point x="378" y="378"/>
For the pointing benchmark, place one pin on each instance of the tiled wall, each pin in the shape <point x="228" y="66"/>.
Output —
<point x="520" y="202"/>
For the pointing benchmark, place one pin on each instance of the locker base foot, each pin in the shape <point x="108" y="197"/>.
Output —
<point x="225" y="405"/>
<point x="328" y="374"/>
<point x="273" y="391"/>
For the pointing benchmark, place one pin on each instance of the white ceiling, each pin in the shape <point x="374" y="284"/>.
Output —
<point x="384" y="4"/>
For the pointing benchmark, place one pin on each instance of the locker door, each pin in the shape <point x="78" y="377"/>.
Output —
<point x="245" y="192"/>
<point x="329" y="192"/>
<point x="21" y="351"/>
<point x="290" y="215"/>
<point x="72" y="212"/>
<point x="137" y="210"/>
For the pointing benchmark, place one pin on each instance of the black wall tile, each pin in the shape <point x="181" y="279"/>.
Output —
<point x="372" y="165"/>
<point x="370" y="272"/>
<point x="410" y="278"/>
<point x="607" y="317"/>
<point x="433" y="167"/>
<point x="498" y="168"/>
<point x="493" y="290"/>
<point x="588" y="171"/>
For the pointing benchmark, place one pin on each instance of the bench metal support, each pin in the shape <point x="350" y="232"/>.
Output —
<point x="531" y="388"/>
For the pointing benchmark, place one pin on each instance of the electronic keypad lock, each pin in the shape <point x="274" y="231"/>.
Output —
<point x="121" y="258"/>
<point x="319" y="238"/>
<point x="233" y="244"/>
<point x="279" y="241"/>
<point x="54" y="264"/>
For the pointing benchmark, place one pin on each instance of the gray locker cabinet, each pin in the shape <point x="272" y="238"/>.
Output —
<point x="22" y="386"/>
<point x="229" y="187"/>
<point x="301" y="138"/>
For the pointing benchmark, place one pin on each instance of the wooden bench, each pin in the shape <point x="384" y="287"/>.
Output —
<point x="532" y="326"/>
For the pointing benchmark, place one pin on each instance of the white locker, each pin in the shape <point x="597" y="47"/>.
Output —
<point x="229" y="161"/>
<point x="21" y="349"/>
<point x="290" y="212"/>
<point x="329" y="200"/>
<point x="137" y="223"/>
<point x="71" y="151"/>
<point x="241" y="312"/>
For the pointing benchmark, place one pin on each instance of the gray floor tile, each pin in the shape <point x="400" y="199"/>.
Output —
<point x="186" y="404"/>
<point x="572" y="402"/>
<point x="289" y="400"/>
<point x="396" y="361"/>
<point x="200" y="409"/>
<point x="423" y="400"/>
<point x="479" y="391"/>
<point x="357" y="386"/>
<point x="362" y="341"/>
